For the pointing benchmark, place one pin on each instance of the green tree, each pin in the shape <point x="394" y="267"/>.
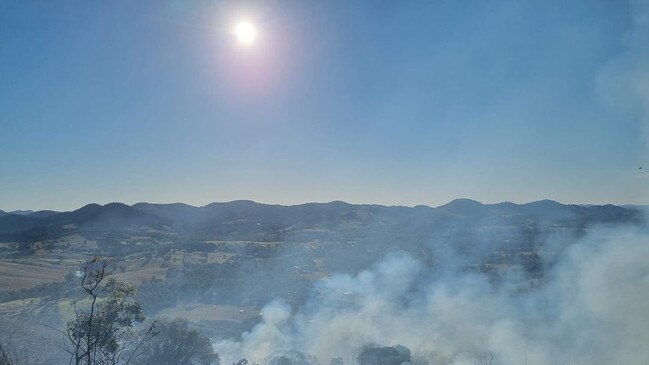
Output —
<point x="177" y="344"/>
<point x="102" y="332"/>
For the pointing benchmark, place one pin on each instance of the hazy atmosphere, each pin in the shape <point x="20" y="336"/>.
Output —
<point x="401" y="103"/>
<point x="219" y="182"/>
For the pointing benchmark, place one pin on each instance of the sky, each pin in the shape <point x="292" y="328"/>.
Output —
<point x="386" y="102"/>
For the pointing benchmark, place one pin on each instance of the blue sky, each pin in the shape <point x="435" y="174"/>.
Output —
<point x="389" y="102"/>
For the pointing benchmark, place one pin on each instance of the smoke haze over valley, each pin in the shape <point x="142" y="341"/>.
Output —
<point x="273" y="182"/>
<point x="316" y="282"/>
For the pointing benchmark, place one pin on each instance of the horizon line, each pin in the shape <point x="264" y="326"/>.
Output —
<point x="325" y="202"/>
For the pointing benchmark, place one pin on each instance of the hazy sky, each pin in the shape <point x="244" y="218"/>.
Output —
<point x="391" y="102"/>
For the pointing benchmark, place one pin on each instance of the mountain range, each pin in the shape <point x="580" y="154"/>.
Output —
<point x="248" y="220"/>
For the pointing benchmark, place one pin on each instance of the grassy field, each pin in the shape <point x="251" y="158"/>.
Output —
<point x="37" y="269"/>
<point x="196" y="312"/>
<point x="44" y="268"/>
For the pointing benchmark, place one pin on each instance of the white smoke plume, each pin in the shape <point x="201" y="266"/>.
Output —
<point x="591" y="309"/>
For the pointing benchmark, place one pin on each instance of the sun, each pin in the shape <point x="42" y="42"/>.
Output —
<point x="245" y="32"/>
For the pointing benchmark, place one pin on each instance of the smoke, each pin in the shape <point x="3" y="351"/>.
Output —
<point x="625" y="81"/>
<point x="623" y="84"/>
<point x="590" y="309"/>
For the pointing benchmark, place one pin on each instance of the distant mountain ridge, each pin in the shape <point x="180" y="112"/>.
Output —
<point x="245" y="219"/>
<point x="454" y="205"/>
<point x="31" y="213"/>
<point x="21" y="212"/>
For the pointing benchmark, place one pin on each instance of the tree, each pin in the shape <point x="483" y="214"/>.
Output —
<point x="375" y="355"/>
<point x="292" y="358"/>
<point x="487" y="358"/>
<point x="101" y="334"/>
<point x="177" y="344"/>
<point x="4" y="358"/>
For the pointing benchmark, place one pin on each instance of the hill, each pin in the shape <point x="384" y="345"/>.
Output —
<point x="247" y="220"/>
<point x="197" y="262"/>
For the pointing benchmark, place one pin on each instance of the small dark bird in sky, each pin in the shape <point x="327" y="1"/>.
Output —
<point x="640" y="168"/>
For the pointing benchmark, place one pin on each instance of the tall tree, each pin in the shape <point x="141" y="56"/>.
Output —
<point x="102" y="331"/>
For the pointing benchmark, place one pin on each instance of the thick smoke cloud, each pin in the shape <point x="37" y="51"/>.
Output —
<point x="590" y="309"/>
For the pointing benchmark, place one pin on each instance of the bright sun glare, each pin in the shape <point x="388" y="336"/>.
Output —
<point x="245" y="32"/>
